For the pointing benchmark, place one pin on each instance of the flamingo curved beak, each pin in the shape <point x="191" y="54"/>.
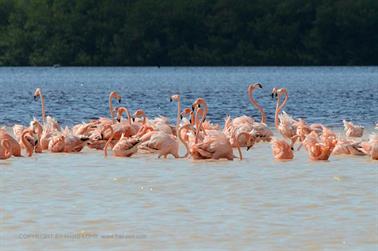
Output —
<point x="180" y="116"/>
<point x="133" y="119"/>
<point x="35" y="98"/>
<point x="259" y="85"/>
<point x="170" y="100"/>
<point x="119" y="120"/>
<point x="119" y="100"/>
<point x="248" y="147"/>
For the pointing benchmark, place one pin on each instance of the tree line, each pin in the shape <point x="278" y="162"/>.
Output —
<point x="188" y="32"/>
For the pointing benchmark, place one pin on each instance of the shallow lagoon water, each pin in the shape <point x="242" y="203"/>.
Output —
<point x="88" y="202"/>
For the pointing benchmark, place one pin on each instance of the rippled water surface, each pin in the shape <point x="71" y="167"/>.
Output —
<point x="319" y="94"/>
<point x="86" y="202"/>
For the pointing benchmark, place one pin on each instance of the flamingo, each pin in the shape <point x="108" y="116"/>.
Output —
<point x="206" y="124"/>
<point x="73" y="143"/>
<point x="371" y="147"/>
<point x="5" y="149"/>
<point x="113" y="95"/>
<point x="320" y="147"/>
<point x="38" y="93"/>
<point x="158" y="124"/>
<point x="347" y="147"/>
<point x="14" y="145"/>
<point x="303" y="129"/>
<point x="56" y="144"/>
<point x="107" y="121"/>
<point x="162" y="143"/>
<point x="284" y="123"/>
<point x="47" y="120"/>
<point x="212" y="147"/>
<point x="126" y="128"/>
<point x="248" y="124"/>
<point x="352" y="130"/>
<point x="178" y="118"/>
<point x="281" y="150"/>
<point x="125" y="147"/>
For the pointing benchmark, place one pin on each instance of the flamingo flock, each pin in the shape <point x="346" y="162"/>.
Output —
<point x="137" y="133"/>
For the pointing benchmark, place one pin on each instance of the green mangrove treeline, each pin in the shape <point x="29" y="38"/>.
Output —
<point x="189" y="32"/>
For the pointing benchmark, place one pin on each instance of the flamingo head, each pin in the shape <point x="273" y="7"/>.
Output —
<point x="251" y="87"/>
<point x="198" y="103"/>
<point x="185" y="112"/>
<point x="174" y="98"/>
<point x="116" y="96"/>
<point x="274" y="92"/>
<point x="37" y="94"/>
<point x="138" y="113"/>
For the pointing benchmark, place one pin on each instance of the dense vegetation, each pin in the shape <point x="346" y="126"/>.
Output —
<point x="189" y="32"/>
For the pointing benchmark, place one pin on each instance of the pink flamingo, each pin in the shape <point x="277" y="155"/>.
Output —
<point x="126" y="128"/>
<point x="347" y="147"/>
<point x="97" y="139"/>
<point x="113" y="95"/>
<point x="352" y="130"/>
<point x="38" y="93"/>
<point x="5" y="149"/>
<point x="73" y="143"/>
<point x="162" y="143"/>
<point x="125" y="147"/>
<point x="29" y="146"/>
<point x="284" y="123"/>
<point x="15" y="147"/>
<point x="178" y="118"/>
<point x="282" y="150"/>
<point x="320" y="148"/>
<point x="247" y="124"/>
<point x="212" y="147"/>
<point x="251" y="90"/>
<point x="206" y="124"/>
<point x="33" y="137"/>
<point x="186" y="112"/>
<point x="49" y="121"/>
<point x="158" y="124"/>
<point x="207" y="128"/>
<point x="371" y="147"/>
<point x="107" y="121"/>
<point x="56" y="144"/>
<point x="303" y="129"/>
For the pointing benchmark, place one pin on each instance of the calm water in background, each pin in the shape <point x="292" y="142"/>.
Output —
<point x="143" y="203"/>
<point x="321" y="94"/>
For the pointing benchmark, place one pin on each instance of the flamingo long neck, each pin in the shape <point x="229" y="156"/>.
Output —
<point x="111" y="96"/>
<point x="192" y="118"/>
<point x="183" y="141"/>
<point x="109" y="140"/>
<point x="259" y="107"/>
<point x="199" y="125"/>
<point x="124" y="109"/>
<point x="144" y="119"/>
<point x="205" y="112"/>
<point x="39" y="134"/>
<point x="178" y="114"/>
<point x="29" y="147"/>
<point x="43" y="108"/>
<point x="238" y="144"/>
<point x="7" y="149"/>
<point x="279" y="108"/>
